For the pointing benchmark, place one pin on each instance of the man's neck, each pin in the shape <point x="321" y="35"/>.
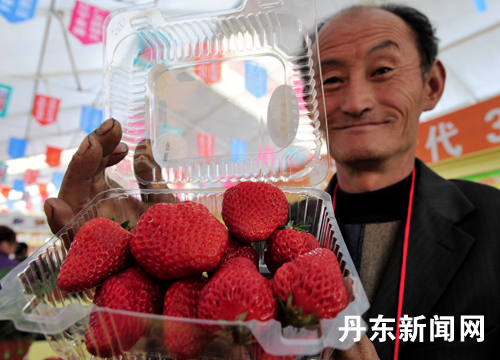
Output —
<point x="370" y="178"/>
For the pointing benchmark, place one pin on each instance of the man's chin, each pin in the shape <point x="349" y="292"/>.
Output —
<point x="365" y="162"/>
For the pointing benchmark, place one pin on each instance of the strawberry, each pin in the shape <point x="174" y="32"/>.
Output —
<point x="252" y="211"/>
<point x="177" y="240"/>
<point x="109" y="334"/>
<point x="237" y="291"/>
<point x="184" y="340"/>
<point x="286" y="244"/>
<point x="310" y="288"/>
<point x="236" y="249"/>
<point x="100" y="249"/>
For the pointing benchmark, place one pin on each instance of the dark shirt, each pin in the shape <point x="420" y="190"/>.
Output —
<point x="5" y="262"/>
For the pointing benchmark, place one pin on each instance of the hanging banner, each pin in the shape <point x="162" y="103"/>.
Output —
<point x="473" y="129"/>
<point x="17" y="10"/>
<point x="57" y="179"/>
<point x="18" y="185"/>
<point x="210" y="72"/>
<point x="45" y="109"/>
<point x="86" y="23"/>
<point x="206" y="144"/>
<point x="31" y="176"/>
<point x="90" y="119"/>
<point x="3" y="172"/>
<point x="6" y="192"/>
<point x="238" y="149"/>
<point x="255" y="79"/>
<point x="17" y="147"/>
<point x="42" y="188"/>
<point x="4" y="98"/>
<point x="53" y="156"/>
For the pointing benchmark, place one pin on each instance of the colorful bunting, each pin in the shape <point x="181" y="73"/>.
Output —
<point x="4" y="98"/>
<point x="17" y="10"/>
<point x="57" y="179"/>
<point x="42" y="188"/>
<point x="6" y="191"/>
<point x="3" y="172"/>
<point x="206" y="144"/>
<point x="53" y="156"/>
<point x="30" y="176"/>
<point x="18" y="185"/>
<point x="86" y="23"/>
<point x="45" y="109"/>
<point x="17" y="147"/>
<point x="255" y="79"/>
<point x="90" y="119"/>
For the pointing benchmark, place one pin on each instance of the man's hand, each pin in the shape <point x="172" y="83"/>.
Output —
<point x="85" y="177"/>
<point x="362" y="350"/>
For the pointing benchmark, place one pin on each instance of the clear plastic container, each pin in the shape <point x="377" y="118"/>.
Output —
<point x="31" y="298"/>
<point x="221" y="97"/>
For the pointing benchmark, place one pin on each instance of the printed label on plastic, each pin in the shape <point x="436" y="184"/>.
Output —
<point x="169" y="146"/>
<point x="283" y="116"/>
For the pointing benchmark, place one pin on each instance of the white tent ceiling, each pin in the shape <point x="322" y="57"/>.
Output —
<point x="41" y="56"/>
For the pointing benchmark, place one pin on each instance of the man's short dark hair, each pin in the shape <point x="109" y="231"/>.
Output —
<point x="7" y="234"/>
<point x="425" y="34"/>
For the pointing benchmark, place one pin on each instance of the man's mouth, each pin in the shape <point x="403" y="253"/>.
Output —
<point x="359" y="125"/>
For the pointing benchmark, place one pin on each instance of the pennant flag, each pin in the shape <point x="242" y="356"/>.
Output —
<point x="45" y="197"/>
<point x="57" y="179"/>
<point x="86" y="23"/>
<point x="91" y="119"/>
<point x="53" y="156"/>
<point x="26" y="196"/>
<point x="238" y="148"/>
<point x="4" y="98"/>
<point x="45" y="109"/>
<point x="3" y="172"/>
<point x="18" y="185"/>
<point x="211" y="71"/>
<point x="5" y="192"/>
<point x="206" y="144"/>
<point x="11" y="203"/>
<point x="17" y="147"/>
<point x="480" y="5"/>
<point x="17" y="10"/>
<point x="30" y="176"/>
<point x="255" y="79"/>
<point x="29" y="206"/>
<point x="42" y="188"/>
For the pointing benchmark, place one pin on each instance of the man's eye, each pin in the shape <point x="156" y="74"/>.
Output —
<point x="382" y="71"/>
<point x="332" y="80"/>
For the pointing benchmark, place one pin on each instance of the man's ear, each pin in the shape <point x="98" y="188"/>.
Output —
<point x="434" y="85"/>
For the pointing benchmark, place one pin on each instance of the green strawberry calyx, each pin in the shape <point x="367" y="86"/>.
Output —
<point x="124" y="224"/>
<point x="298" y="227"/>
<point x="294" y="316"/>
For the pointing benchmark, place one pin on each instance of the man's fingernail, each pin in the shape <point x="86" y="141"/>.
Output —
<point x="105" y="127"/>
<point x="84" y="146"/>
<point x="121" y="148"/>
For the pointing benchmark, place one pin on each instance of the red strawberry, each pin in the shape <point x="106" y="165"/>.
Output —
<point x="184" y="340"/>
<point x="238" y="249"/>
<point x="310" y="288"/>
<point x="287" y="244"/>
<point x="177" y="240"/>
<point x="237" y="291"/>
<point x="100" y="249"/>
<point x="252" y="211"/>
<point x="109" y="334"/>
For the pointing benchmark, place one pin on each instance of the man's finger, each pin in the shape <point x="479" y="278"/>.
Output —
<point x="58" y="213"/>
<point x="362" y="350"/>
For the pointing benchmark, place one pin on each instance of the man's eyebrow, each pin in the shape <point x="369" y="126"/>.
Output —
<point x="383" y="45"/>
<point x="330" y="62"/>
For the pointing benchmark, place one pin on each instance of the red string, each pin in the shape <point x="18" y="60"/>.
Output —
<point x="403" y="265"/>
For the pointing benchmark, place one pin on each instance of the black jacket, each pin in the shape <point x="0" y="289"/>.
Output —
<point x="453" y="268"/>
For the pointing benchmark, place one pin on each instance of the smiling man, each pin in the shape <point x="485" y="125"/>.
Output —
<point x="422" y="245"/>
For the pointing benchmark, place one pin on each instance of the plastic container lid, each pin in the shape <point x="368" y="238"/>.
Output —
<point x="222" y="97"/>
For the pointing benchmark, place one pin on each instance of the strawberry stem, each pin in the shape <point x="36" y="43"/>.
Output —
<point x="294" y="316"/>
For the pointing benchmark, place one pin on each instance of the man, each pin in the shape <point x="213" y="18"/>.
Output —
<point x="378" y="79"/>
<point x="7" y="247"/>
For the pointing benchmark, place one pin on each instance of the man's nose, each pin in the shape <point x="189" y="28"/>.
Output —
<point x="357" y="97"/>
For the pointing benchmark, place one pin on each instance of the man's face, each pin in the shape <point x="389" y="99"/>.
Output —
<point x="373" y="86"/>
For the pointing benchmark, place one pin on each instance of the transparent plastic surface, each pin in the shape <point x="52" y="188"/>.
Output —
<point x="30" y="296"/>
<point x="222" y="96"/>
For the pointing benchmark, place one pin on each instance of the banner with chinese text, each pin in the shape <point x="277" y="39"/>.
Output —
<point x="45" y="109"/>
<point x="17" y="10"/>
<point x="4" y="99"/>
<point x="86" y="23"/>
<point x="463" y="132"/>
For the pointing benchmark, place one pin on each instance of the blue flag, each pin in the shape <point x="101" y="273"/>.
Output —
<point x="480" y="5"/>
<point x="17" y="147"/>
<point x="18" y="185"/>
<point x="91" y="119"/>
<point x="238" y="149"/>
<point x="255" y="79"/>
<point x="57" y="179"/>
<point x="17" y="10"/>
